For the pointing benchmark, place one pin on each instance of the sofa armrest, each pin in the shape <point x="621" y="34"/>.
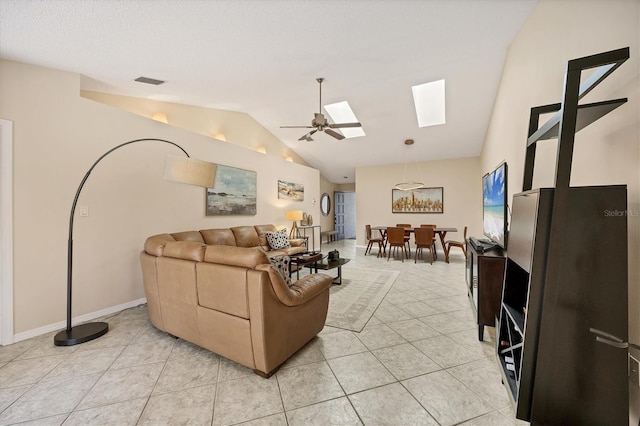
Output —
<point x="301" y="291"/>
<point x="298" y="242"/>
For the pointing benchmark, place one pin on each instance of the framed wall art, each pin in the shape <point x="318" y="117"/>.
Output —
<point x="423" y="200"/>
<point x="234" y="192"/>
<point x="290" y="191"/>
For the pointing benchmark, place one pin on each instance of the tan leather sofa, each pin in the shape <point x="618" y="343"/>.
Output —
<point x="241" y="236"/>
<point x="230" y="300"/>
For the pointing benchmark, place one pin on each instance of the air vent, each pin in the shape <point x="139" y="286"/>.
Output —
<point x="148" y="80"/>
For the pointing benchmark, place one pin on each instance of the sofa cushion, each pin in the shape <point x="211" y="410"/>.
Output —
<point x="246" y="236"/>
<point x="235" y="256"/>
<point x="262" y="235"/>
<point x="282" y="264"/>
<point x="278" y="239"/>
<point x="187" y="250"/>
<point x="218" y="237"/>
<point x="155" y="245"/>
<point x="188" y="236"/>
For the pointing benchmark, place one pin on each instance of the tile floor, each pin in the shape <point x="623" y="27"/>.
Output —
<point x="417" y="362"/>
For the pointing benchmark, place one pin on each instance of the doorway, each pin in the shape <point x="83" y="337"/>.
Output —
<point x="345" y="214"/>
<point x="6" y="232"/>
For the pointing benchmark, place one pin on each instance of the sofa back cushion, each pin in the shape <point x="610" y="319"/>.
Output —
<point x="155" y="245"/>
<point x="262" y="235"/>
<point x="246" y="236"/>
<point x="235" y="256"/>
<point x="186" y="250"/>
<point x="188" y="236"/>
<point x="218" y="237"/>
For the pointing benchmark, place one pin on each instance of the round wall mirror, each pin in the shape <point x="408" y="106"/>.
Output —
<point x="325" y="204"/>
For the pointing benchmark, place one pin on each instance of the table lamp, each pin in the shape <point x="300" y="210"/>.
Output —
<point x="294" y="215"/>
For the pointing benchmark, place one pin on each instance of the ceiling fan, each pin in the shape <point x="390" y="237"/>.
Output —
<point x="320" y="123"/>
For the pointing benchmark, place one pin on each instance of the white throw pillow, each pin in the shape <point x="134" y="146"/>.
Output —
<point x="278" y="239"/>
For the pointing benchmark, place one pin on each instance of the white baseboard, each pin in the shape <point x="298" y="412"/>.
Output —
<point x="82" y="318"/>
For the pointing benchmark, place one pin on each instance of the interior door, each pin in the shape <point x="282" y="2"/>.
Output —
<point x="338" y="198"/>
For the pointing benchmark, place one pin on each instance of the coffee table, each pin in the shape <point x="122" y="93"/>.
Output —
<point x="303" y="259"/>
<point x="325" y="264"/>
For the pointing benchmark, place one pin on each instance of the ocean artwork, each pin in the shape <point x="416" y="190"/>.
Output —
<point x="234" y="192"/>
<point x="422" y="200"/>
<point x="290" y="191"/>
<point x="494" y="197"/>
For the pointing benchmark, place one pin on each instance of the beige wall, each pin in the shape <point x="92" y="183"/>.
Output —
<point x="327" y="221"/>
<point x="607" y="152"/>
<point x="57" y="136"/>
<point x="462" y="196"/>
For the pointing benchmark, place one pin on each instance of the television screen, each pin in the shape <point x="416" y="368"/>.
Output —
<point x="494" y="211"/>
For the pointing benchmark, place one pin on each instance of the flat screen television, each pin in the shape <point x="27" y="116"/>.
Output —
<point x="494" y="206"/>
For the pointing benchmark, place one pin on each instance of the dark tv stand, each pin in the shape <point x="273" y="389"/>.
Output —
<point x="484" y="275"/>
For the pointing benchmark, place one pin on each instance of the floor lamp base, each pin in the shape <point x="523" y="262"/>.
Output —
<point x="81" y="333"/>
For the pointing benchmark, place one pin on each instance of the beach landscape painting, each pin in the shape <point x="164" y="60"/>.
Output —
<point x="234" y="192"/>
<point x="494" y="201"/>
<point x="290" y="191"/>
<point x="423" y="200"/>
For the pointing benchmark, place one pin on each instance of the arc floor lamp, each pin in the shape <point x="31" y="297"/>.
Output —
<point x="177" y="169"/>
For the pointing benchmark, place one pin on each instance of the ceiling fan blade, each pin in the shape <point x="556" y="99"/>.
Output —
<point x="334" y="134"/>
<point x="296" y="127"/>
<point x="307" y="137"/>
<point x="342" y="125"/>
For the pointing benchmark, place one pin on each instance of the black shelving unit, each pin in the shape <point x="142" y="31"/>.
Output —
<point x="567" y="274"/>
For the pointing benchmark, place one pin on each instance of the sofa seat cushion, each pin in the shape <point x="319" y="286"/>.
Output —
<point x="289" y="251"/>
<point x="278" y="239"/>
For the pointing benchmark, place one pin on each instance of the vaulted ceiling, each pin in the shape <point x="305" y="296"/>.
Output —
<point x="263" y="58"/>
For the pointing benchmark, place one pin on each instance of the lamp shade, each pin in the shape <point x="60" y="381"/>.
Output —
<point x="294" y="215"/>
<point x="191" y="171"/>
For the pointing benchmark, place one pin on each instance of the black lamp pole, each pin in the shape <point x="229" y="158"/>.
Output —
<point x="92" y="330"/>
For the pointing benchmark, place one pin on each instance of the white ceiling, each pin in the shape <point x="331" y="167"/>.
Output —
<point x="262" y="58"/>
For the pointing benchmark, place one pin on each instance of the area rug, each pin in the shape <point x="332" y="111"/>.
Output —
<point x="352" y="304"/>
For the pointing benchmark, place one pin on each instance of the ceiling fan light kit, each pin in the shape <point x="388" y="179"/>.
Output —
<point x="321" y="124"/>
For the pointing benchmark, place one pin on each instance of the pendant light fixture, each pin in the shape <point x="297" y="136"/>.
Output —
<point x="408" y="185"/>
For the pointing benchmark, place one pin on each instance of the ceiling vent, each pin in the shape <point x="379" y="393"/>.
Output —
<point x="148" y="80"/>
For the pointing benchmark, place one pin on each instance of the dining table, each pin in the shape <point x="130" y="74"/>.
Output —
<point x="440" y="231"/>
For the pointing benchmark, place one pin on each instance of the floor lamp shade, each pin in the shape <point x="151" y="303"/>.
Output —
<point x="188" y="170"/>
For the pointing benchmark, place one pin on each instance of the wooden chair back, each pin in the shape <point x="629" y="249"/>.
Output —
<point x="395" y="235"/>
<point x="423" y="236"/>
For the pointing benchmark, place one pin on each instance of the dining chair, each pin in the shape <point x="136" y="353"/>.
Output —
<point x="407" y="234"/>
<point x="372" y="241"/>
<point x="461" y="244"/>
<point x="395" y="238"/>
<point x="424" y="239"/>
<point x="432" y="226"/>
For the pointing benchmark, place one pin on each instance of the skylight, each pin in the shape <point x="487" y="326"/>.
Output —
<point x="429" y="101"/>
<point x="341" y="112"/>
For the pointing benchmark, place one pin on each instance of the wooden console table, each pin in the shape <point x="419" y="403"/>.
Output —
<point x="484" y="275"/>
